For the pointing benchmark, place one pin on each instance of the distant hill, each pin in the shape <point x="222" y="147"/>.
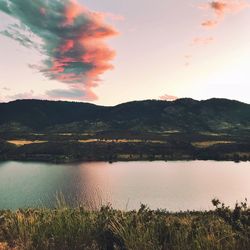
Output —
<point x="149" y="115"/>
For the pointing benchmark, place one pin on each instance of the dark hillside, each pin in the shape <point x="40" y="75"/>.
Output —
<point x="150" y="115"/>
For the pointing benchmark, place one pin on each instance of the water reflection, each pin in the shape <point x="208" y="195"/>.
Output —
<point x="171" y="185"/>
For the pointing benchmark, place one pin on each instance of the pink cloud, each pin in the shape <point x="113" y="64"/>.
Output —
<point x="73" y="42"/>
<point x="221" y="8"/>
<point x="96" y="52"/>
<point x="168" y="97"/>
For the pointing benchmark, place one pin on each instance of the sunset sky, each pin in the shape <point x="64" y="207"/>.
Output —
<point x="113" y="51"/>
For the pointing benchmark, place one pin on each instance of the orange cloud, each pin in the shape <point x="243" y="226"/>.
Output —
<point x="219" y="6"/>
<point x="229" y="6"/>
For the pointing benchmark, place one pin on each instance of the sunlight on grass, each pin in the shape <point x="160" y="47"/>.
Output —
<point x="25" y="142"/>
<point x="206" y="144"/>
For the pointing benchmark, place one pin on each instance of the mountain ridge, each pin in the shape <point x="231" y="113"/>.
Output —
<point x="134" y="101"/>
<point x="147" y="115"/>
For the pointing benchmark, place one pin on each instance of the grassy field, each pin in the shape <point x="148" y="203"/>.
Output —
<point x="106" y="228"/>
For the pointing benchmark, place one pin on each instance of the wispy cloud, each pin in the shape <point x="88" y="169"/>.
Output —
<point x="218" y="9"/>
<point x="25" y="95"/>
<point x="222" y="8"/>
<point x="19" y="37"/>
<point x="209" y="23"/>
<point x="73" y="41"/>
<point x="72" y="94"/>
<point x="188" y="59"/>
<point x="6" y="89"/>
<point x="202" y="40"/>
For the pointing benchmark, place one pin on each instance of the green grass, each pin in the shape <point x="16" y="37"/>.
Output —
<point x="106" y="228"/>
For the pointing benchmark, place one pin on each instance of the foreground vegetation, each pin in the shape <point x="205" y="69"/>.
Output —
<point x="107" y="228"/>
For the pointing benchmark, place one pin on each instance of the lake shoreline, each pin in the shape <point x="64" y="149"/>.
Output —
<point x="64" y="159"/>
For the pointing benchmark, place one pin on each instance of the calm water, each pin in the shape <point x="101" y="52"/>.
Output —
<point x="171" y="185"/>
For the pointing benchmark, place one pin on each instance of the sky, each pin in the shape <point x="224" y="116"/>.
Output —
<point x="113" y="51"/>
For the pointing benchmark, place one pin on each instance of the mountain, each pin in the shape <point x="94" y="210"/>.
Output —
<point x="149" y="115"/>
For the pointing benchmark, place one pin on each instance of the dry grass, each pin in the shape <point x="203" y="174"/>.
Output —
<point x="66" y="228"/>
<point x="206" y="144"/>
<point x="3" y="246"/>
<point x="88" y="140"/>
<point x="25" y="142"/>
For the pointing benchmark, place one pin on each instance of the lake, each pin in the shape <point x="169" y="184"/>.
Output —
<point x="175" y="186"/>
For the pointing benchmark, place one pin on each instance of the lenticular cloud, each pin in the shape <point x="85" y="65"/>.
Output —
<point x="73" y="41"/>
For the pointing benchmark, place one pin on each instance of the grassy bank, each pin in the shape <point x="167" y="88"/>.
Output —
<point x="107" y="228"/>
